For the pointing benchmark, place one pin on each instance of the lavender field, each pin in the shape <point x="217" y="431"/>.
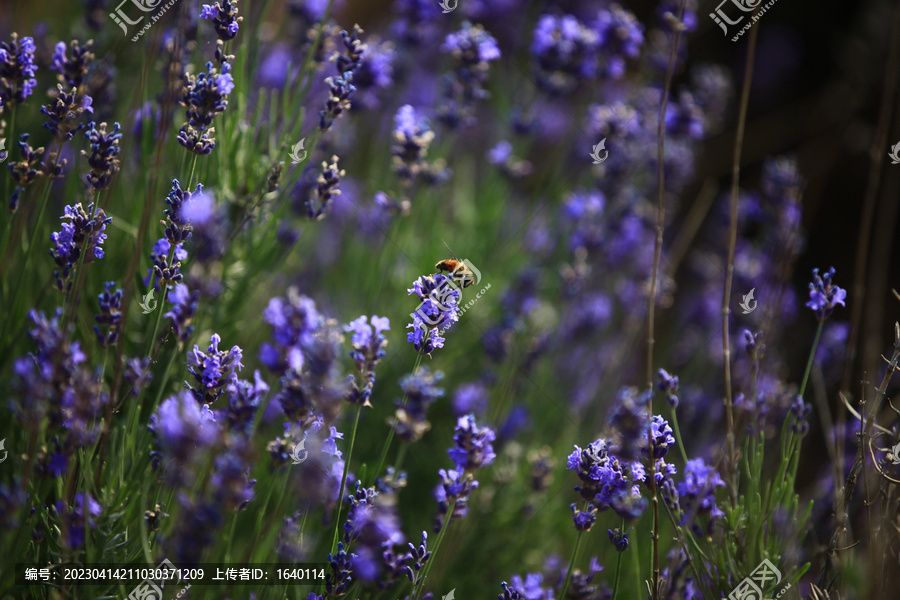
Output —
<point x="449" y="299"/>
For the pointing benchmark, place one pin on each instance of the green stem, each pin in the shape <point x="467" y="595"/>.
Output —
<point x="812" y="356"/>
<point x="390" y="436"/>
<point x="337" y="519"/>
<point x="33" y="241"/>
<point x="401" y="454"/>
<point x="191" y="176"/>
<point x="565" y="585"/>
<point x="437" y="544"/>
<point x="678" y="436"/>
<point x="12" y="139"/>
<point x="619" y="563"/>
<point x="152" y="340"/>
<point x="636" y="563"/>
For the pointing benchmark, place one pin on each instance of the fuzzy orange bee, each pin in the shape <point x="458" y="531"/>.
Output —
<point x="459" y="271"/>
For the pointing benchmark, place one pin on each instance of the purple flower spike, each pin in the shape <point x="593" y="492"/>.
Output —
<point x="224" y="17"/>
<point x="17" y="70"/>
<point x="213" y="370"/>
<point x="823" y="295"/>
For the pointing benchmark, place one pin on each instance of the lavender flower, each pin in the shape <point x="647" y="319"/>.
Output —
<point x="607" y="480"/>
<point x="76" y="517"/>
<point x="178" y="226"/>
<point x="62" y="115"/>
<point x="184" y="307"/>
<point x="472" y="49"/>
<point x="304" y="355"/>
<point x="668" y="384"/>
<point x="472" y="451"/>
<point x="418" y="556"/>
<point x="413" y="136"/>
<point x="110" y="316"/>
<point x="438" y="310"/>
<point x="165" y="271"/>
<point x="620" y="36"/>
<point x="564" y="51"/>
<point x="374" y="73"/>
<point x="72" y="72"/>
<point x="104" y="154"/>
<point x="230" y="481"/>
<point x="419" y="391"/>
<point x="372" y="524"/>
<point x="685" y="116"/>
<point x="339" y="89"/>
<point x="338" y="581"/>
<point x="326" y="188"/>
<point x="25" y="171"/>
<point x="502" y="156"/>
<point x="619" y="539"/>
<point x="473" y="445"/>
<point x="182" y="427"/>
<point x="205" y="96"/>
<point x="416" y="20"/>
<point x="138" y="374"/>
<point x="629" y="420"/>
<point x="455" y="488"/>
<point x="213" y="370"/>
<point x="368" y="348"/>
<point x="198" y="521"/>
<point x="354" y="48"/>
<point x="585" y="519"/>
<point x="17" y="70"/>
<point x="823" y="296"/>
<point x="799" y="410"/>
<point x="223" y="15"/>
<point x="697" y="493"/>
<point x="82" y="236"/>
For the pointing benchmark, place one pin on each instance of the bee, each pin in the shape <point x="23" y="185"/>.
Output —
<point x="459" y="271"/>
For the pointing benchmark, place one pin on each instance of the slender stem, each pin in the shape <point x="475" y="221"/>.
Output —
<point x="651" y="302"/>
<point x="437" y="544"/>
<point x="636" y="564"/>
<point x="678" y="436"/>
<point x="390" y="436"/>
<point x="618" y="566"/>
<point x="152" y="340"/>
<point x="873" y="183"/>
<point x="812" y="356"/>
<point x="6" y="195"/>
<point x="337" y="519"/>
<point x="565" y="585"/>
<point x="732" y="244"/>
<point x="33" y="241"/>
<point x="191" y="176"/>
